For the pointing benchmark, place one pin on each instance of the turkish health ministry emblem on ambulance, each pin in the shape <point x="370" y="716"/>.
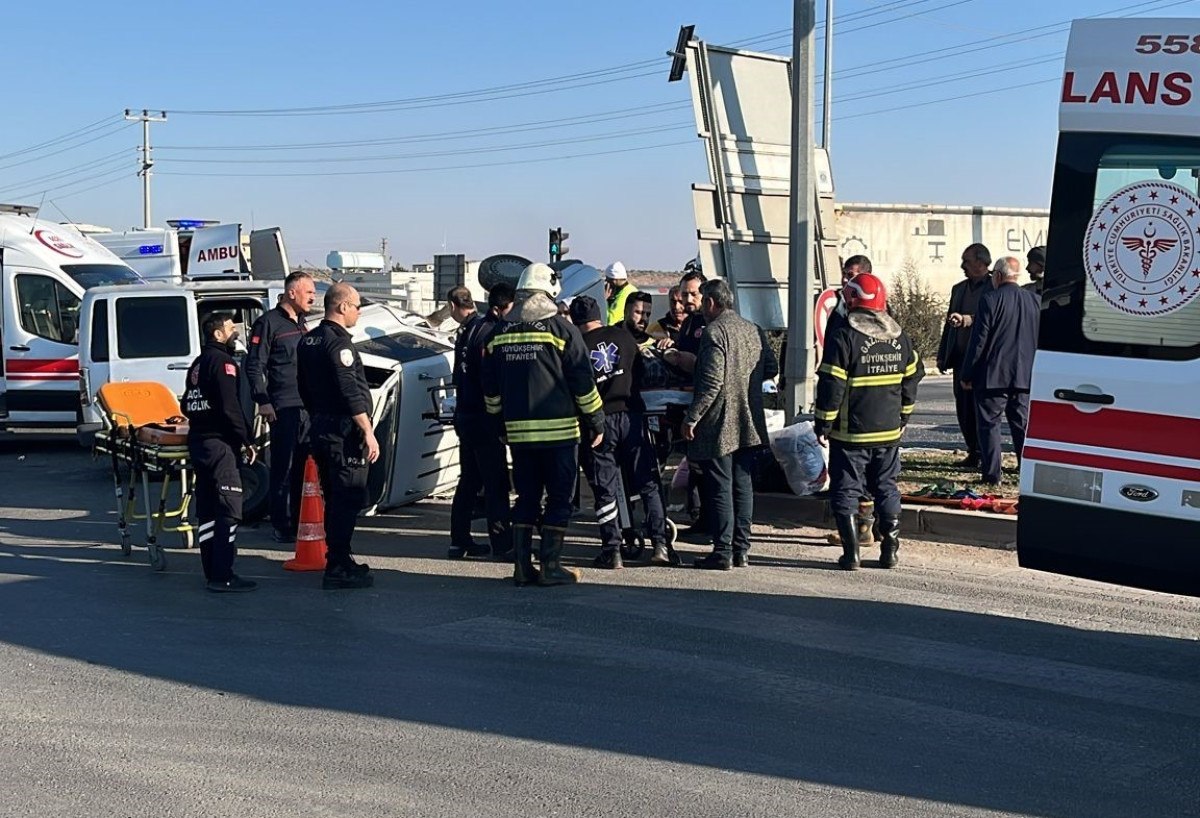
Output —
<point x="1141" y="248"/>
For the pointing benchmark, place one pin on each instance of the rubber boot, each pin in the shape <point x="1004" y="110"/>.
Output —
<point x="500" y="539"/>
<point x="523" y="571"/>
<point x="661" y="555"/>
<point x="848" y="530"/>
<point x="866" y="524"/>
<point x="889" y="541"/>
<point x="553" y="572"/>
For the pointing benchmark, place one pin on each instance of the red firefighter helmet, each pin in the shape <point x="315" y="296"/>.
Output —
<point x="865" y="290"/>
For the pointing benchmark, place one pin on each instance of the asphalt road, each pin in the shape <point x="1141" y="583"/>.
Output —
<point x="957" y="685"/>
<point x="933" y="424"/>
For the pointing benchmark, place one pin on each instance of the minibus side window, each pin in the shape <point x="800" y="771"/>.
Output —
<point x="48" y="309"/>
<point x="100" y="331"/>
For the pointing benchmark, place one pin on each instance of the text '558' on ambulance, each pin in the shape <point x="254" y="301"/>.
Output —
<point x="45" y="268"/>
<point x="1110" y="478"/>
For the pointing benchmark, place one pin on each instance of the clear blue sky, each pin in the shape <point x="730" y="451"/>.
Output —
<point x="74" y="66"/>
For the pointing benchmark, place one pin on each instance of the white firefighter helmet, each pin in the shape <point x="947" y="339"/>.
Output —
<point x="540" y="277"/>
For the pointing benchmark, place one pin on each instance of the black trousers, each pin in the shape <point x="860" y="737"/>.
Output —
<point x="990" y="405"/>
<point x="964" y="408"/>
<point x="482" y="465"/>
<point x="289" y="449"/>
<point x="218" y="505"/>
<point x="340" y="453"/>
<point x="547" y="471"/>
<point x="626" y="450"/>
<point x="855" y="473"/>
<point x="729" y="500"/>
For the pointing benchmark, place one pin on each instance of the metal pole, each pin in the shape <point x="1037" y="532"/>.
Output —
<point x="147" y="163"/>
<point x="147" y="157"/>
<point x="800" y="356"/>
<point x="827" y="83"/>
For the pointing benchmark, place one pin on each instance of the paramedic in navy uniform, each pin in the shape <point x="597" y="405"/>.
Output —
<point x="217" y="435"/>
<point x="334" y="388"/>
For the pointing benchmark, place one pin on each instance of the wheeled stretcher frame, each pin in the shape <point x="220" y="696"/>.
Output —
<point x="144" y="445"/>
<point x="134" y="463"/>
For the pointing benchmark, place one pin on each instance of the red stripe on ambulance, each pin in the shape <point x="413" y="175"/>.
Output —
<point x="1117" y="464"/>
<point x="1140" y="432"/>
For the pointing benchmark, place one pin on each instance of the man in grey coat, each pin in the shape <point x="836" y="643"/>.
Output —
<point x="725" y="425"/>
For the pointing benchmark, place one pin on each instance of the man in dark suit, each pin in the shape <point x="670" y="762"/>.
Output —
<point x="998" y="364"/>
<point x="964" y="300"/>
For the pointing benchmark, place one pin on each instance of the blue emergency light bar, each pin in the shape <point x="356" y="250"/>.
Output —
<point x="150" y="250"/>
<point x="191" y="224"/>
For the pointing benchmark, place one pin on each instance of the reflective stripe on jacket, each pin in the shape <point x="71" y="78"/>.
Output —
<point x="867" y="382"/>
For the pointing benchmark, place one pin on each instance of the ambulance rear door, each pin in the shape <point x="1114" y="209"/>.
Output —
<point x="1110" y="478"/>
<point x="154" y="335"/>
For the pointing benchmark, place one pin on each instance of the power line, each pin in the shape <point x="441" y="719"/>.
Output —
<point x="971" y="95"/>
<point x="90" y="188"/>
<point x="583" y="119"/>
<point x="66" y="185"/>
<point x="120" y="127"/>
<point x="585" y="79"/>
<point x="1011" y="38"/>
<point x="67" y="136"/>
<point x="918" y="85"/>
<point x="605" y="116"/>
<point x="120" y="155"/>
<point x="436" y="169"/>
<point x="675" y="126"/>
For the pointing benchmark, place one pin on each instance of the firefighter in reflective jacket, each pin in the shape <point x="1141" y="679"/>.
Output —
<point x="537" y="376"/>
<point x="866" y="390"/>
<point x="217" y="436"/>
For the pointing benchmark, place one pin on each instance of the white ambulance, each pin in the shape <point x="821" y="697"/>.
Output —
<point x="44" y="270"/>
<point x="1110" y="479"/>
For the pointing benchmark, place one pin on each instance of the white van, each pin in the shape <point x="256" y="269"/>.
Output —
<point x="1110" y="479"/>
<point x="152" y="332"/>
<point x="44" y="270"/>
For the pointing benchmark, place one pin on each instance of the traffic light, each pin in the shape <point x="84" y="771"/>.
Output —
<point x="558" y="243"/>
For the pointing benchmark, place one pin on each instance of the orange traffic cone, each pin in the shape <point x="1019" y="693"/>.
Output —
<point x="310" y="534"/>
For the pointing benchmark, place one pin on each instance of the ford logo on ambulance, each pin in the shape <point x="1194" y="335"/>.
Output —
<point x="1140" y="494"/>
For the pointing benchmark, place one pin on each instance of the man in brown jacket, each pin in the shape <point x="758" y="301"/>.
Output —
<point x="725" y="425"/>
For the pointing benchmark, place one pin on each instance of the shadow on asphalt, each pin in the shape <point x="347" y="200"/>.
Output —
<point x="953" y="707"/>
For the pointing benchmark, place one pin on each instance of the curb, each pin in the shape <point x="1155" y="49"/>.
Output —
<point x="973" y="528"/>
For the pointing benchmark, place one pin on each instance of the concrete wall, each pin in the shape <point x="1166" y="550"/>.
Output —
<point x="931" y="238"/>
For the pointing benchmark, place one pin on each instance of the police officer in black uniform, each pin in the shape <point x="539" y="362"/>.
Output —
<point x="335" y="393"/>
<point x="481" y="453"/>
<point x="217" y="435"/>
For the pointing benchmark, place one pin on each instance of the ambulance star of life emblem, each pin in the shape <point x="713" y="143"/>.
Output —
<point x="1141" y="248"/>
<point x="604" y="357"/>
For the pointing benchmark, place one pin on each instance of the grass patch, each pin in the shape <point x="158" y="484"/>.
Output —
<point x="921" y="467"/>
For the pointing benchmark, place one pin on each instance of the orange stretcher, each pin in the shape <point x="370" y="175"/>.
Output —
<point x="144" y="436"/>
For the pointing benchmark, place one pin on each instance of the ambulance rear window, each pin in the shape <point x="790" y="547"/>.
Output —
<point x="1121" y="169"/>
<point x="1123" y="262"/>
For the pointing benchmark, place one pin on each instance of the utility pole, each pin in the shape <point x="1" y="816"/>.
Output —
<point x="827" y="83"/>
<point x="147" y="157"/>
<point x="383" y="252"/>
<point x="802" y="228"/>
